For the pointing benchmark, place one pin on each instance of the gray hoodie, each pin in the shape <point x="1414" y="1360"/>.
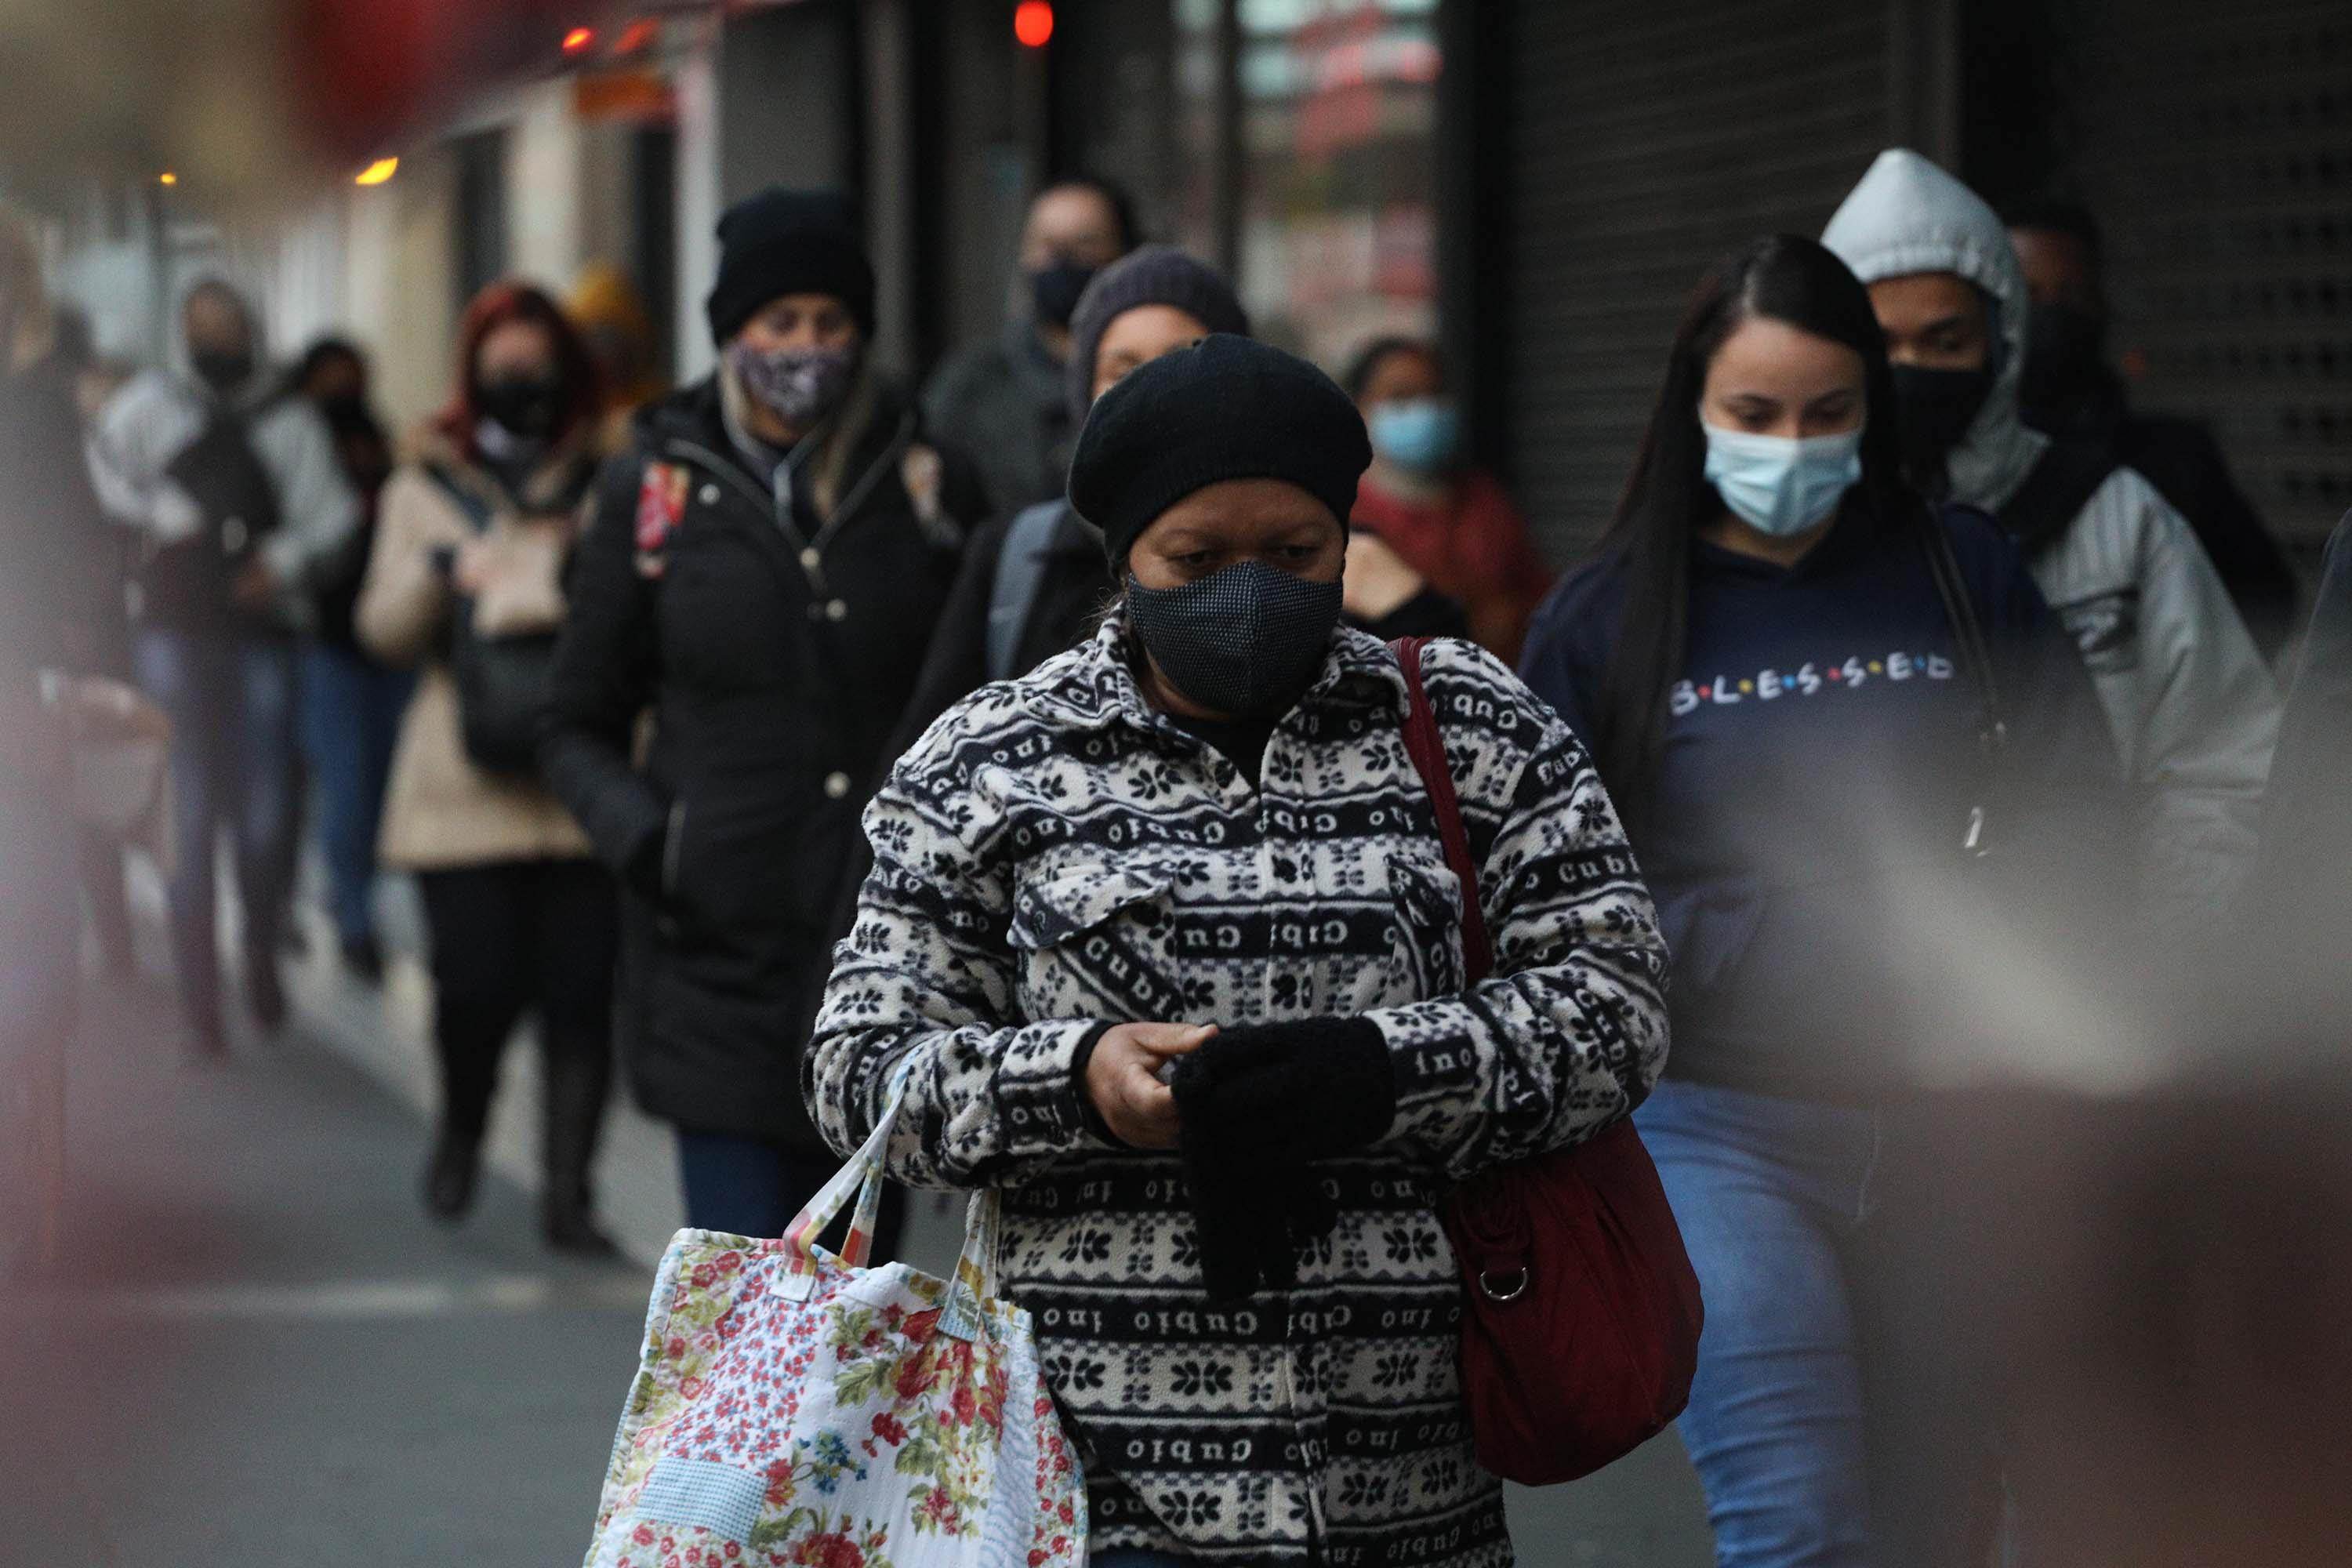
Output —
<point x="2192" y="707"/>
<point x="151" y="421"/>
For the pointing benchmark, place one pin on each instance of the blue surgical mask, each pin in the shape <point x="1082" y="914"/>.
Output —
<point x="1782" y="485"/>
<point x="1419" y="435"/>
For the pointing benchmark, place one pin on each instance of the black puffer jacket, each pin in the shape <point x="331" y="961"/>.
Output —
<point x="776" y="653"/>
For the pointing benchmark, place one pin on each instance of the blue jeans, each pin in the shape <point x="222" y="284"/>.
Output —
<point x="351" y="721"/>
<point x="1840" y="1416"/>
<point x="231" y="702"/>
<point x="749" y="1186"/>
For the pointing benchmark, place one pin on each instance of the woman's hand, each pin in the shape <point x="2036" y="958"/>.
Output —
<point x="1123" y="1079"/>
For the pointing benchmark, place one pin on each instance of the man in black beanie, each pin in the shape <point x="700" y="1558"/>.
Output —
<point x="1000" y="399"/>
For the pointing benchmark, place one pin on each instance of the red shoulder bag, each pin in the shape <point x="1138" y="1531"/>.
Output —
<point x="1581" y="1313"/>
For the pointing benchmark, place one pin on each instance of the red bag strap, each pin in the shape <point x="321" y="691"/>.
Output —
<point x="1426" y="747"/>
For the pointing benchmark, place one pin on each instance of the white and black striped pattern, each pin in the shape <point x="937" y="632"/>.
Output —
<point x="1052" y="854"/>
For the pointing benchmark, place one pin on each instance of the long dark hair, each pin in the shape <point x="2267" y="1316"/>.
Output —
<point x="1782" y="277"/>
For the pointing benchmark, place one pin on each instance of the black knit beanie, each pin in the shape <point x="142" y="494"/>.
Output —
<point x="789" y="242"/>
<point x="1226" y="408"/>
<point x="1148" y="275"/>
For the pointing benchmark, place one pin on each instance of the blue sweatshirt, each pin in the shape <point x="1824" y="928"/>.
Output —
<point x="1821" y="764"/>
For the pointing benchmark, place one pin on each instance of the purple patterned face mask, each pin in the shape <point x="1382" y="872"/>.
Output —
<point x="799" y="386"/>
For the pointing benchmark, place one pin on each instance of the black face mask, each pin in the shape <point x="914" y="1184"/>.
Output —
<point x="1246" y="642"/>
<point x="1053" y="292"/>
<point x="223" y="370"/>
<point x="528" y="405"/>
<point x="344" y="409"/>
<point x="1935" y="409"/>
<point x="2065" y="355"/>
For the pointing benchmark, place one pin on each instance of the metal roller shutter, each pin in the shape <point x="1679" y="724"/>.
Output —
<point x="1647" y="140"/>
<point x="2216" y="148"/>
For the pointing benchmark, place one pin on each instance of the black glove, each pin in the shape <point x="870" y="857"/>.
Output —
<point x="1258" y="1102"/>
<point x="1315" y="1087"/>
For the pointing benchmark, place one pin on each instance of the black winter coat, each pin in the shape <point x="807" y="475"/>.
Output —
<point x="776" y="657"/>
<point x="1073" y="590"/>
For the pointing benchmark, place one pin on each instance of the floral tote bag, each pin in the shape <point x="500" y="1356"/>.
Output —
<point x="797" y="1407"/>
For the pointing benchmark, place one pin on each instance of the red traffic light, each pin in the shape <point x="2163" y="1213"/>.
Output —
<point x="1033" y="23"/>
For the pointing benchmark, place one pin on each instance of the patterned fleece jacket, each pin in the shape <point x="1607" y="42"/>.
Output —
<point x="1053" y="854"/>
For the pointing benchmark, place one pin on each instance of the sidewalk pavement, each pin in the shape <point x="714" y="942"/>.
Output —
<point x="1643" y="1512"/>
<point x="257" y="1353"/>
<point x="260" y="1354"/>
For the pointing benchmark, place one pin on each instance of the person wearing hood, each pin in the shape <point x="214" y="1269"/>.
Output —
<point x="1425" y="505"/>
<point x="2191" y="706"/>
<point x="761" y="570"/>
<point x="464" y="580"/>
<point x="2070" y="392"/>
<point x="1005" y="402"/>
<point x="237" y="507"/>
<point x="1786" y="663"/>
<point x="1160" y="941"/>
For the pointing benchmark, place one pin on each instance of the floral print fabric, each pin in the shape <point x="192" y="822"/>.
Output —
<point x="827" y="1418"/>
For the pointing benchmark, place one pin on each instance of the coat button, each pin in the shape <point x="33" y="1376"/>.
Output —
<point x="710" y="495"/>
<point x="837" y="610"/>
<point x="837" y="785"/>
<point x="233" y="535"/>
<point x="811" y="559"/>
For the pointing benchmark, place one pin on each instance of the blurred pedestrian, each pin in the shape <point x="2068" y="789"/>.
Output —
<point x="1783" y="704"/>
<point x="51" y="357"/>
<point x="351" y="704"/>
<point x="1388" y="598"/>
<point x="1006" y="402"/>
<point x="1195" y="845"/>
<point x="1444" y="517"/>
<point x="237" y="505"/>
<point x="763" y="570"/>
<point x="52" y="593"/>
<point x="2070" y="392"/>
<point x="465" y="579"/>
<point x="611" y="316"/>
<point x="1032" y="583"/>
<point x="2301" y="898"/>
<point x="2192" y="707"/>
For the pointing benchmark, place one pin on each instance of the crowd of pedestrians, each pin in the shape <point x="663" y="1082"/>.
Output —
<point x="1023" y="753"/>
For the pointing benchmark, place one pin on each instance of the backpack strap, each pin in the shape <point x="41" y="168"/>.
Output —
<point x="1426" y="746"/>
<point x="2069" y="473"/>
<point x="1020" y="573"/>
<point x="467" y="500"/>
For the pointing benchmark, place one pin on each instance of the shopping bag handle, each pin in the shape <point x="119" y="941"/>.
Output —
<point x="975" y="1276"/>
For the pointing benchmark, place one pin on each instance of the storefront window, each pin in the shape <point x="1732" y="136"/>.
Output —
<point x="1333" y="228"/>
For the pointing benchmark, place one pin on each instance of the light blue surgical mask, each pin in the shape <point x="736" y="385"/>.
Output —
<point x="1782" y="485"/>
<point x="1419" y="435"/>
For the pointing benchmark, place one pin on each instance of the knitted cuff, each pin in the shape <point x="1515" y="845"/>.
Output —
<point x="1080" y="1057"/>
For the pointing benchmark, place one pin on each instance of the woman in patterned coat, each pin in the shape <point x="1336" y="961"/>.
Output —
<point x="1195" y="850"/>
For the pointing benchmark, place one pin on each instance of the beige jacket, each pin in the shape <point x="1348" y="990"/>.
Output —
<point x="442" y="812"/>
